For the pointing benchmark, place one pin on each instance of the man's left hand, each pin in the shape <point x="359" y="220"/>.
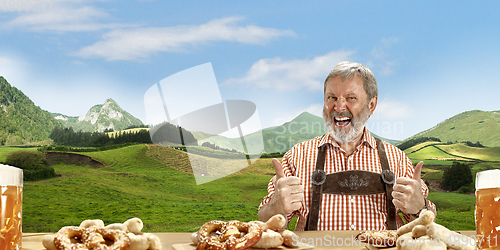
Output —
<point x="407" y="192"/>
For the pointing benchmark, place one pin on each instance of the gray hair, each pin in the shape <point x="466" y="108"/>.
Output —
<point x="349" y="69"/>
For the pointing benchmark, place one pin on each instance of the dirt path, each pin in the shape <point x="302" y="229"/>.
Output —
<point x="436" y="185"/>
<point x="72" y="158"/>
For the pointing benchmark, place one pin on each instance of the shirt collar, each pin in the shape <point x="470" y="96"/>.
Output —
<point x="367" y="138"/>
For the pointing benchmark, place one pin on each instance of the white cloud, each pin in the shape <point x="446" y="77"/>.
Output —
<point x="291" y="75"/>
<point x="139" y="43"/>
<point x="389" y="109"/>
<point x="64" y="16"/>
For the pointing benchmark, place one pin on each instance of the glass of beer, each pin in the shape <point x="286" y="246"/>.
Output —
<point x="11" y="187"/>
<point x="488" y="209"/>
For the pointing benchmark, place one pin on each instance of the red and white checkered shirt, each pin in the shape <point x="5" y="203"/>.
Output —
<point x="344" y="212"/>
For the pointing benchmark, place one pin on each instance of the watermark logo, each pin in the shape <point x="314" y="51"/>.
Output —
<point x="189" y="103"/>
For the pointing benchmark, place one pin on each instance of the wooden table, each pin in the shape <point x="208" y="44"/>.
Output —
<point x="320" y="239"/>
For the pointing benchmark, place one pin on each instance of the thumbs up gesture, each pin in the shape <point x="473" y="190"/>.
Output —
<point x="288" y="191"/>
<point x="407" y="192"/>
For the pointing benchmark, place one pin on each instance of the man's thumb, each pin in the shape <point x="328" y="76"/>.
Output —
<point x="278" y="168"/>
<point x="418" y="171"/>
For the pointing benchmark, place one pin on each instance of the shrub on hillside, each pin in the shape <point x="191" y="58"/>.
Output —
<point x="412" y="142"/>
<point x="466" y="189"/>
<point x="456" y="176"/>
<point x="33" y="164"/>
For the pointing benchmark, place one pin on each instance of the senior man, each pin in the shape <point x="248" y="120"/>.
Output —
<point x="346" y="179"/>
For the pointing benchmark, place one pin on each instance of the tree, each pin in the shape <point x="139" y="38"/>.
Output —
<point x="456" y="176"/>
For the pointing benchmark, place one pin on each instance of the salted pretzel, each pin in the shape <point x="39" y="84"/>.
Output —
<point x="70" y="238"/>
<point x="98" y="238"/>
<point x="233" y="235"/>
<point x="94" y="238"/>
<point x="378" y="238"/>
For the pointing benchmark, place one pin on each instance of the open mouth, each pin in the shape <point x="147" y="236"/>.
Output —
<point x="342" y="121"/>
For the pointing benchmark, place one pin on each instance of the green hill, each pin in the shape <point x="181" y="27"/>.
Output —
<point x="473" y="126"/>
<point x="432" y="153"/>
<point x="483" y="154"/>
<point x="443" y="152"/>
<point x="21" y="121"/>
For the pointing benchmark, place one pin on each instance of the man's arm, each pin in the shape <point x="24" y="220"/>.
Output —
<point x="287" y="197"/>
<point x="408" y="193"/>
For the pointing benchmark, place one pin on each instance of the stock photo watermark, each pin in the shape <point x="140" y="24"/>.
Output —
<point x="189" y="102"/>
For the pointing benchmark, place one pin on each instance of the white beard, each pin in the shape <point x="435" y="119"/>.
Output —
<point x="356" y="129"/>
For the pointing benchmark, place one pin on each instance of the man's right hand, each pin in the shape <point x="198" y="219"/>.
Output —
<point x="289" y="194"/>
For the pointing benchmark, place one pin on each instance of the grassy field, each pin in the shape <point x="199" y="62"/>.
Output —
<point x="419" y="146"/>
<point x="432" y="152"/>
<point x="136" y="185"/>
<point x="484" y="154"/>
<point x="455" y="211"/>
<point x="155" y="184"/>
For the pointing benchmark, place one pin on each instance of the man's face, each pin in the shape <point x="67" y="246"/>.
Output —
<point x="346" y="108"/>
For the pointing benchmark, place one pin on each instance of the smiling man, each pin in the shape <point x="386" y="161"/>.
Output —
<point x="346" y="179"/>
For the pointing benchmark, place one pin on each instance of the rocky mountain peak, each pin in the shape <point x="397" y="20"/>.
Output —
<point x="100" y="117"/>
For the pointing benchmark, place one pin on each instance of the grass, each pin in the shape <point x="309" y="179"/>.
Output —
<point x="420" y="146"/>
<point x="455" y="211"/>
<point x="431" y="174"/>
<point x="485" y="154"/>
<point x="136" y="185"/>
<point x="433" y="153"/>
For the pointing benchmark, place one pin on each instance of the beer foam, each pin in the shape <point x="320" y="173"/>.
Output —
<point x="488" y="179"/>
<point x="10" y="176"/>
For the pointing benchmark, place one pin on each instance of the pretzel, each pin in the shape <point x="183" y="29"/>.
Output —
<point x="63" y="238"/>
<point x="378" y="238"/>
<point x="220" y="235"/>
<point x="98" y="237"/>
<point x="252" y="234"/>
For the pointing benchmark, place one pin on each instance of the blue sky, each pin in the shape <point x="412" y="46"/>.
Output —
<point x="432" y="59"/>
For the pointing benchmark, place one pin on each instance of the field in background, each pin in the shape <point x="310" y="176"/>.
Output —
<point x="154" y="184"/>
<point x="124" y="131"/>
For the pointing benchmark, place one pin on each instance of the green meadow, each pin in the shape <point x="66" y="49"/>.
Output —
<point x="155" y="184"/>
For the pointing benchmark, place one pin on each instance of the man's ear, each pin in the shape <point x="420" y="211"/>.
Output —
<point x="373" y="104"/>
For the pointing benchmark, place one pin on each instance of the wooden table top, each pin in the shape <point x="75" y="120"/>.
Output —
<point x="182" y="241"/>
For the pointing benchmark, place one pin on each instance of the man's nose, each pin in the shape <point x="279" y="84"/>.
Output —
<point x="340" y="104"/>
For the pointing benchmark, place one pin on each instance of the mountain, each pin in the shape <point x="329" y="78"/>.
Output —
<point x="279" y="138"/>
<point x="100" y="117"/>
<point x="21" y="121"/>
<point x="473" y="126"/>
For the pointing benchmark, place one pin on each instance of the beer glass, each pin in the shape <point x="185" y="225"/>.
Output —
<point x="11" y="187"/>
<point x="488" y="209"/>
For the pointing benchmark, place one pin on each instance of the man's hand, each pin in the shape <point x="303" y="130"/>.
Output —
<point x="288" y="191"/>
<point x="288" y="195"/>
<point x="407" y="193"/>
